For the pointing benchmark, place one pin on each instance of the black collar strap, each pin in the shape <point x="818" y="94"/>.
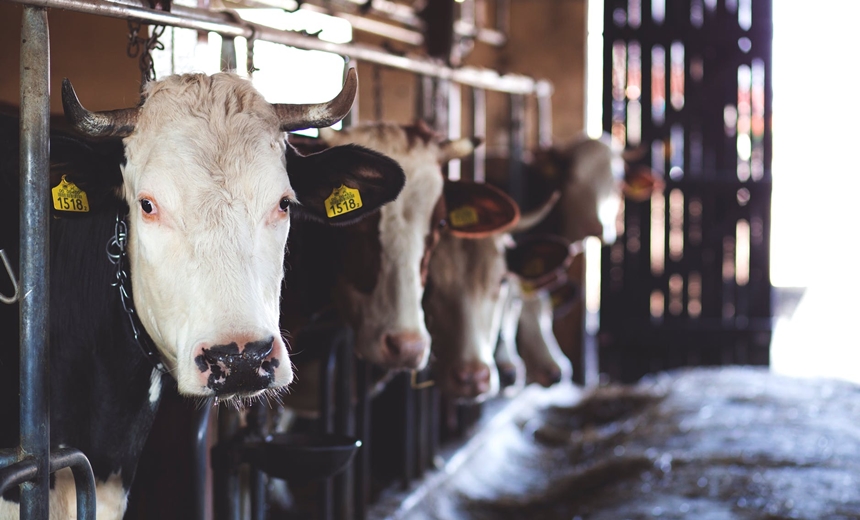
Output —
<point x="116" y="252"/>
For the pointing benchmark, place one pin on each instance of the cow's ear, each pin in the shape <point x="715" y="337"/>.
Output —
<point x="342" y="184"/>
<point x="640" y="182"/>
<point x="477" y="210"/>
<point x="540" y="261"/>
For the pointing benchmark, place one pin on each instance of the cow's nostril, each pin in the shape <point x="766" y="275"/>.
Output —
<point x="394" y="345"/>
<point x="258" y="350"/>
<point x="221" y="353"/>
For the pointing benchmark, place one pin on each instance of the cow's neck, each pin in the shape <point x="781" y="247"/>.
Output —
<point x="320" y="261"/>
<point x="104" y="392"/>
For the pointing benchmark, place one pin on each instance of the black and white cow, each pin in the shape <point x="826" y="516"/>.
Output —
<point x="200" y="180"/>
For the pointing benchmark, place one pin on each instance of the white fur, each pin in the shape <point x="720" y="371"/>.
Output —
<point x="208" y="270"/>
<point x="154" y="387"/>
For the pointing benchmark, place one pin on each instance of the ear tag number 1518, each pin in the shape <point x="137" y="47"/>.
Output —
<point x="68" y="197"/>
<point x="342" y="200"/>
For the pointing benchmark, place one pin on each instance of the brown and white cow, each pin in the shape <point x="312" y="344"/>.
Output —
<point x="469" y="280"/>
<point x="373" y="273"/>
<point x="195" y="206"/>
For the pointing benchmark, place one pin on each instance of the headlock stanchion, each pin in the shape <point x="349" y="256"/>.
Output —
<point x="30" y="465"/>
<point x="348" y="494"/>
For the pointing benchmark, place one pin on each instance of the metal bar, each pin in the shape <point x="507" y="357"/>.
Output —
<point x="517" y="148"/>
<point x="35" y="396"/>
<point x="27" y="470"/>
<point x="544" y="105"/>
<point x="409" y="451"/>
<point x="343" y="418"/>
<point x="479" y="126"/>
<point x="85" y="483"/>
<point x="455" y="111"/>
<point x="201" y="460"/>
<point x="17" y="473"/>
<point x="224" y="24"/>
<point x="362" y="426"/>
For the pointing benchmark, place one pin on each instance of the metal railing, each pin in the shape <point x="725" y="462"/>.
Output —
<point x="30" y="464"/>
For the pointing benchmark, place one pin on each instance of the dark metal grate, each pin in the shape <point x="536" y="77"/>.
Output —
<point x="688" y="281"/>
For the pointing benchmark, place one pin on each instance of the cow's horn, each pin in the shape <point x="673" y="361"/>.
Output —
<point x="112" y="123"/>
<point x="299" y="117"/>
<point x="535" y="216"/>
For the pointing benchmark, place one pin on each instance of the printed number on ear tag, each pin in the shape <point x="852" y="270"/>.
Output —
<point x="68" y="197"/>
<point x="463" y="216"/>
<point x="534" y="267"/>
<point x="342" y="200"/>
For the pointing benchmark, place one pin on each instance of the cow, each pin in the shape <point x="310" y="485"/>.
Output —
<point x="469" y="281"/>
<point x="372" y="274"/>
<point x="194" y="206"/>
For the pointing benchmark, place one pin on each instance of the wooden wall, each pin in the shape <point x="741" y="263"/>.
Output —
<point x="89" y="50"/>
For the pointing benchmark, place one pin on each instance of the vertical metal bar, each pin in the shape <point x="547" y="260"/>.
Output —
<point x="440" y="105"/>
<point x="362" y="464"/>
<point x="35" y="186"/>
<point x="409" y="452"/>
<point x="544" y="105"/>
<point x="352" y="118"/>
<point x="424" y="108"/>
<point x="343" y="420"/>
<point x="228" y="54"/>
<point x="201" y="461"/>
<point x="479" y="125"/>
<point x="517" y="147"/>
<point x="455" y="101"/>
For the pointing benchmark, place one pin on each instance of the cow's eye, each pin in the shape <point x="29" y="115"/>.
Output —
<point x="285" y="204"/>
<point x="146" y="206"/>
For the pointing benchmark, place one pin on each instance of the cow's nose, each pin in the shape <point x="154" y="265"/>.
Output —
<point x="473" y="379"/>
<point x="229" y="368"/>
<point x="548" y="377"/>
<point x="507" y="374"/>
<point x="253" y="353"/>
<point x="404" y="350"/>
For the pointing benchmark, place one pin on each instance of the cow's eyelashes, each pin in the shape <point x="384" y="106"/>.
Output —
<point x="147" y="206"/>
<point x="285" y="204"/>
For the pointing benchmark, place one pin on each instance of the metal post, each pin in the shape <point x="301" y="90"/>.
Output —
<point x="517" y="147"/>
<point x="201" y="461"/>
<point x="479" y="126"/>
<point x="362" y="426"/>
<point x="35" y="186"/>
<point x="544" y="105"/>
<point x="455" y="102"/>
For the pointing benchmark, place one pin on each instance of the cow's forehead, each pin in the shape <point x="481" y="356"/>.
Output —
<point x="473" y="266"/>
<point x="208" y="132"/>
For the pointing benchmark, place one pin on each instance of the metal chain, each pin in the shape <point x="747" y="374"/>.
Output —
<point x="141" y="47"/>
<point x="250" y="59"/>
<point x="116" y="252"/>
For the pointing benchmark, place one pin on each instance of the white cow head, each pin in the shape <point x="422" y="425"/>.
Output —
<point x="467" y="288"/>
<point x="381" y="291"/>
<point x="592" y="178"/>
<point x="209" y="200"/>
<point x="471" y="273"/>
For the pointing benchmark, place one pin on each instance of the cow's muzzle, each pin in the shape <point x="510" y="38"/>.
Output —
<point x="230" y="369"/>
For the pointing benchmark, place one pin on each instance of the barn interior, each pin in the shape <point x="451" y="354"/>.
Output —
<point x="712" y="358"/>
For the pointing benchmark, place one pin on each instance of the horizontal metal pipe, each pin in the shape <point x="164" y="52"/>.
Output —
<point x="17" y="473"/>
<point x="224" y="24"/>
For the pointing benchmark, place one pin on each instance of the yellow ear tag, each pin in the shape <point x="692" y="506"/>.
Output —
<point x="342" y="200"/>
<point x="68" y="197"/>
<point x="463" y="216"/>
<point x="534" y="267"/>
